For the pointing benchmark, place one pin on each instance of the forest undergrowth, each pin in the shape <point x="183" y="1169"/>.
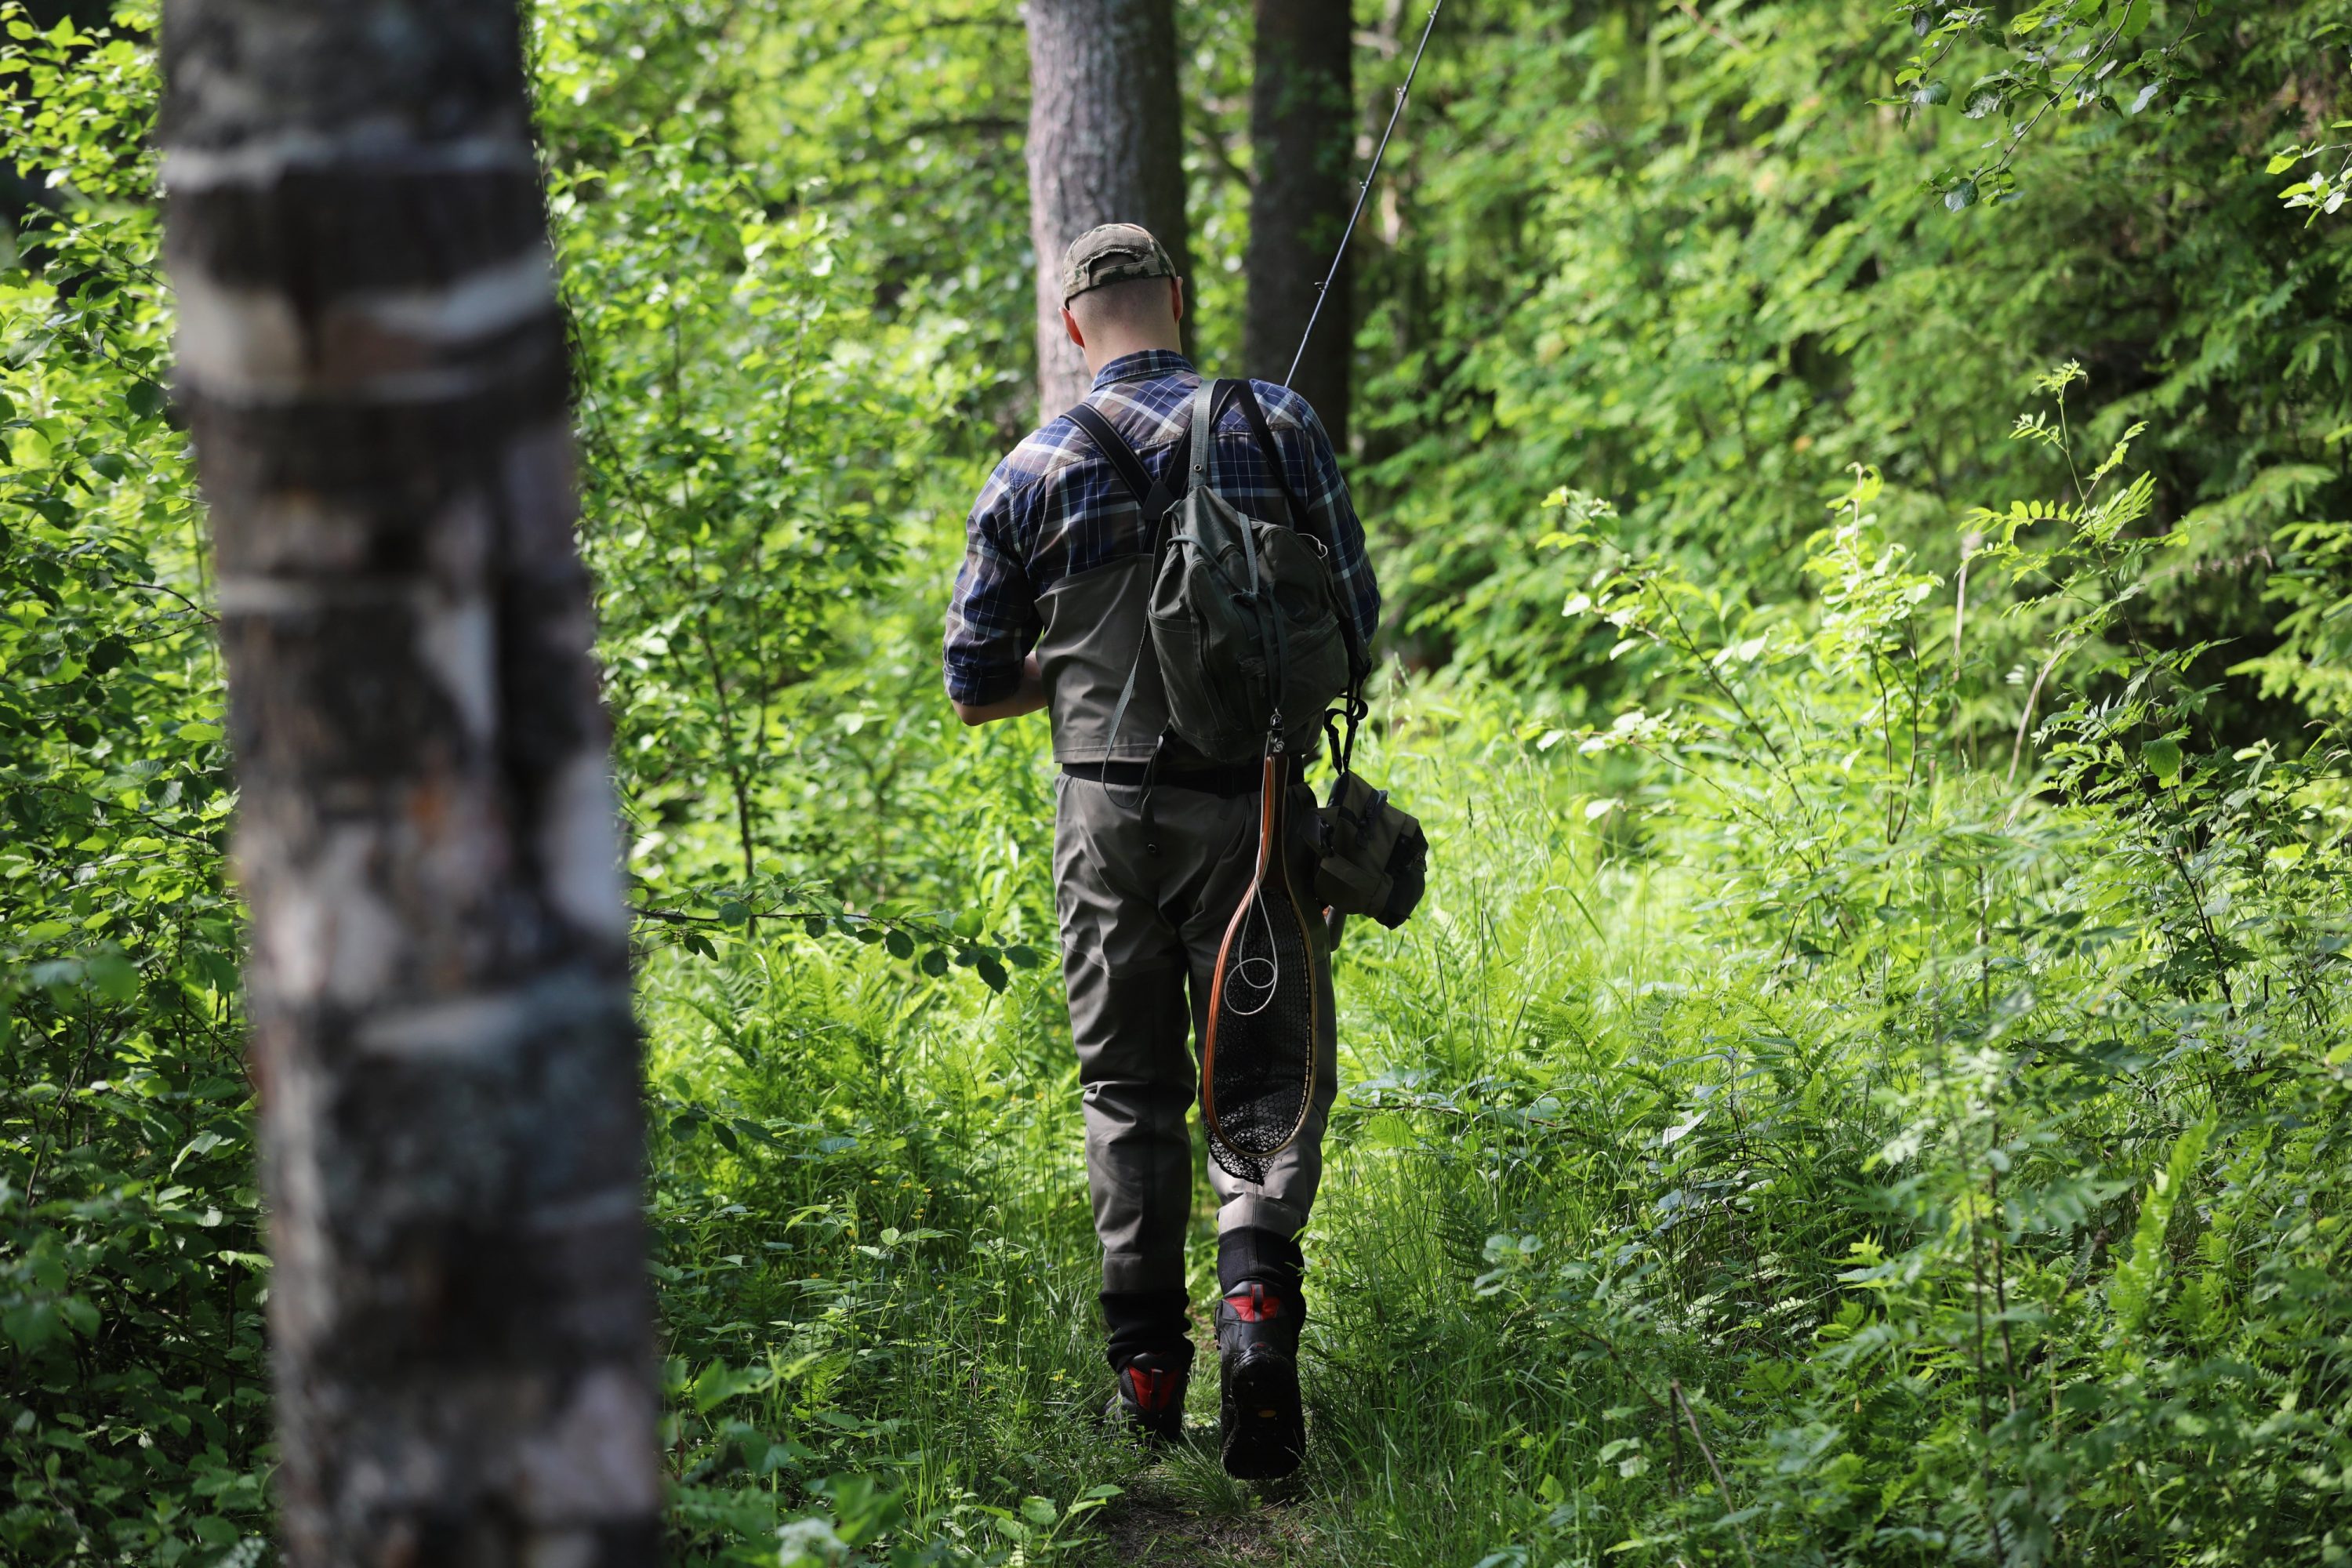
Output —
<point x="1776" y="1143"/>
<point x="1869" y="1083"/>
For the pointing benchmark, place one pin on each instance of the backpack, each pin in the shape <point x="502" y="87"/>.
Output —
<point x="1244" y="616"/>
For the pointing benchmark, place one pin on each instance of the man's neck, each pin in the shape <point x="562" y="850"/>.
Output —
<point x="1115" y="346"/>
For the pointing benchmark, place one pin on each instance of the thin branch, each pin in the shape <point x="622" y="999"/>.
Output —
<point x="2017" y="751"/>
<point x="1721" y="1485"/>
<point x="202" y="613"/>
<point x="1223" y="157"/>
<point x="1721" y="37"/>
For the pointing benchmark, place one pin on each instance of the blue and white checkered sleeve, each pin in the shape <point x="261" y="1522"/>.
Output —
<point x="993" y="618"/>
<point x="1327" y="497"/>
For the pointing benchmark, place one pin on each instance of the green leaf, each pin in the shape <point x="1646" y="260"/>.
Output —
<point x="935" y="962"/>
<point x="734" y="913"/>
<point x="991" y="972"/>
<point x="112" y="976"/>
<point x="898" y="944"/>
<point x="2134" y="1285"/>
<point x="2163" y="757"/>
<point x="1039" y="1510"/>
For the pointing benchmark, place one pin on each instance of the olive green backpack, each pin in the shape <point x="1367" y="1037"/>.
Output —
<point x="1244" y="619"/>
<point x="1255" y="647"/>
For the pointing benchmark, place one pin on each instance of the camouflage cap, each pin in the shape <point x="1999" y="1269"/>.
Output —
<point x="1114" y="253"/>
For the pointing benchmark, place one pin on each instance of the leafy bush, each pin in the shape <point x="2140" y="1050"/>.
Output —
<point x="1666" y="252"/>
<point x="130" y="1263"/>
<point x="1906" y="1163"/>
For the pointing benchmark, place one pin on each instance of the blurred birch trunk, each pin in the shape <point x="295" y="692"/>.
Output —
<point x="373" y="367"/>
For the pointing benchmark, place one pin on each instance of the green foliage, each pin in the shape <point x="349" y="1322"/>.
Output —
<point x="1780" y="1140"/>
<point x="131" y="1265"/>
<point x="750" y="436"/>
<point x="1870" y="1179"/>
<point x="1663" y="252"/>
<point x="863" y="1272"/>
<point x="2063" y="54"/>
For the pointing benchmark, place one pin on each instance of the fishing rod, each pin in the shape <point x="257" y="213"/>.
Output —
<point x="1323" y="289"/>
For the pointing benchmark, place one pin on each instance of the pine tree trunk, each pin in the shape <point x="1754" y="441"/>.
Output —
<point x="1106" y="145"/>
<point x="1302" y="134"/>
<point x="374" y="368"/>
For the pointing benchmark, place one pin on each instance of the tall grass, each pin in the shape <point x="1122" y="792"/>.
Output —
<point x="1775" y="1140"/>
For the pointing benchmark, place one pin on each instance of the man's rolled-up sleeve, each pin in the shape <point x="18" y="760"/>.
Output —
<point x="993" y="618"/>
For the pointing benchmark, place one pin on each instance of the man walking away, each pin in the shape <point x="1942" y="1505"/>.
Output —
<point x="1049" y="612"/>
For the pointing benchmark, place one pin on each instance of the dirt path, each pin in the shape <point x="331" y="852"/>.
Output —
<point x="1166" y="1521"/>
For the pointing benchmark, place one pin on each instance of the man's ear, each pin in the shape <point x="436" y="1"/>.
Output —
<point x="1070" y="325"/>
<point x="1176" y="297"/>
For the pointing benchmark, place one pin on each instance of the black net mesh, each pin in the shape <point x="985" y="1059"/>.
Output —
<point x="1262" y="1045"/>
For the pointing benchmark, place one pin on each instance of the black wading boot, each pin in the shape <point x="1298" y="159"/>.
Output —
<point x="1151" y="1397"/>
<point x="1259" y="1315"/>
<point x="1152" y="1359"/>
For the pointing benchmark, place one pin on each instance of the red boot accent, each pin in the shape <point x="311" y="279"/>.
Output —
<point x="1257" y="1306"/>
<point x="1153" y="1387"/>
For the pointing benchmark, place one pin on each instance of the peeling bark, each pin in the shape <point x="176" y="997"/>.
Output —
<point x="1302" y="131"/>
<point x="373" y="370"/>
<point x="1106" y="145"/>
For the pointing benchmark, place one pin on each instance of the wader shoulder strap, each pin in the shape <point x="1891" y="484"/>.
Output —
<point x="1149" y="494"/>
<point x="1156" y="501"/>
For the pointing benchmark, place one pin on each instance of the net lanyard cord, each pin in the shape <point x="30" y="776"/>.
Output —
<point x="1363" y="193"/>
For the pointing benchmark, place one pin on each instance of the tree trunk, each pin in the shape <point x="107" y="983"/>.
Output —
<point x="1106" y="145"/>
<point x="374" y="368"/>
<point x="1302" y="135"/>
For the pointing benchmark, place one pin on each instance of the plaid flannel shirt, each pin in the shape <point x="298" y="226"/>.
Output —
<point x="1055" y="506"/>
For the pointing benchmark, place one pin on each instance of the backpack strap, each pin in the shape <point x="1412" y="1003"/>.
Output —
<point x="1301" y="521"/>
<point x="1208" y="404"/>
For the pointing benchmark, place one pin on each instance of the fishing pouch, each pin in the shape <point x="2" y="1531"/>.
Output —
<point x="1374" y="859"/>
